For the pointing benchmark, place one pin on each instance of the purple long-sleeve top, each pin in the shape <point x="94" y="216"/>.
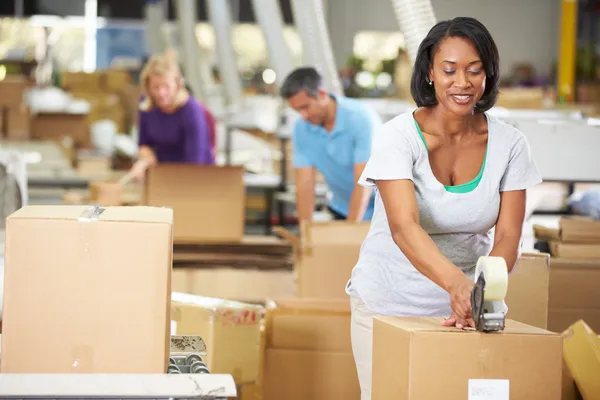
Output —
<point x="180" y="137"/>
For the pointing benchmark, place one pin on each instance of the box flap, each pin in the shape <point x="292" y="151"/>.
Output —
<point x="573" y="263"/>
<point x="426" y="324"/>
<point x="210" y="303"/>
<point x="335" y="232"/>
<point x="535" y="256"/>
<point x="579" y="229"/>
<point x="112" y="214"/>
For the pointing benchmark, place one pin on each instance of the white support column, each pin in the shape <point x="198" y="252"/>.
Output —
<point x="415" y="19"/>
<point x="270" y="20"/>
<point x="156" y="40"/>
<point x="91" y="26"/>
<point x="186" y="16"/>
<point x="309" y="16"/>
<point x="220" y="17"/>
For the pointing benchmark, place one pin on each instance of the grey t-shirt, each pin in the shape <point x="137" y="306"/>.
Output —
<point x="461" y="224"/>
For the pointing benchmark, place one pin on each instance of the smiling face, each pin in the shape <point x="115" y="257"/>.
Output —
<point x="458" y="75"/>
<point x="163" y="90"/>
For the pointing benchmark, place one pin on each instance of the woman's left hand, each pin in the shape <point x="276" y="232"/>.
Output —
<point x="458" y="322"/>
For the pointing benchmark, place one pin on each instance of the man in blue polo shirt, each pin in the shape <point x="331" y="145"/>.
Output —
<point x="333" y="137"/>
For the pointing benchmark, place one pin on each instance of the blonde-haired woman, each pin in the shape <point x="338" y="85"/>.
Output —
<point x="172" y="124"/>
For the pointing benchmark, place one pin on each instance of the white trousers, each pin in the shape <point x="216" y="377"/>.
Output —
<point x="361" y="331"/>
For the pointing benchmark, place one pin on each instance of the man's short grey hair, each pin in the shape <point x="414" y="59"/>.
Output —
<point x="304" y="79"/>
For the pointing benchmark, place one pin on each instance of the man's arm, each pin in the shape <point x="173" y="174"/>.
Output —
<point x="363" y="137"/>
<point x="305" y="193"/>
<point x="360" y="196"/>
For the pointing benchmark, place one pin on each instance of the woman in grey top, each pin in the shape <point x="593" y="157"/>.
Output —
<point x="448" y="176"/>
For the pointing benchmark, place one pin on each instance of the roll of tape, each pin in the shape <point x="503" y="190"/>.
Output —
<point x="495" y="272"/>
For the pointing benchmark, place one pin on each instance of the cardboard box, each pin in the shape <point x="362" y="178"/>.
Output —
<point x="208" y="201"/>
<point x="61" y="126"/>
<point x="575" y="250"/>
<point x="573" y="293"/>
<point x="571" y="230"/>
<point x="231" y="331"/>
<point x="308" y="351"/>
<point x="528" y="290"/>
<point x="417" y="358"/>
<point x="87" y="293"/>
<point x="17" y="123"/>
<point x="582" y="357"/>
<point x="106" y="193"/>
<point x="13" y="89"/>
<point x="326" y="254"/>
<point x="246" y="285"/>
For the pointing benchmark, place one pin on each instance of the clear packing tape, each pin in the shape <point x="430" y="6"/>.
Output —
<point x="495" y="272"/>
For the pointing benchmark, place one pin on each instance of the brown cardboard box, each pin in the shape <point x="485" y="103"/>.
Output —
<point x="106" y="193"/>
<point x="58" y="126"/>
<point x="575" y="250"/>
<point x="582" y="356"/>
<point x="327" y="253"/>
<point x="231" y="331"/>
<point x="417" y="358"/>
<point x="247" y="285"/>
<point x="528" y="286"/>
<point x="18" y="123"/>
<point x="308" y="351"/>
<point x="573" y="293"/>
<point x="208" y="201"/>
<point x="571" y="230"/>
<point x="12" y="91"/>
<point x="85" y="294"/>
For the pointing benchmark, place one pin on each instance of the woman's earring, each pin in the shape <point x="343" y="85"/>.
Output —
<point x="430" y="82"/>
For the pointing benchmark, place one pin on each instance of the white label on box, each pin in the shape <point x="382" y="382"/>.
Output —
<point x="173" y="328"/>
<point x="489" y="389"/>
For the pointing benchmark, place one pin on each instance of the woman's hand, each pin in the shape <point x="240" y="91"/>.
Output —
<point x="138" y="171"/>
<point x="460" y="302"/>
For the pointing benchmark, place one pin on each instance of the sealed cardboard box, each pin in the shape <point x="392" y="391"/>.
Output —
<point x="577" y="230"/>
<point x="230" y="329"/>
<point x="58" y="126"/>
<point x="573" y="293"/>
<point x="528" y="290"/>
<point x="582" y="357"/>
<point x="87" y="290"/>
<point x="308" y="351"/>
<point x="326" y="257"/>
<point x="208" y="201"/>
<point x="417" y="358"/>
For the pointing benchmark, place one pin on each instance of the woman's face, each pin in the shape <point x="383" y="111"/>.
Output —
<point x="458" y="75"/>
<point x="163" y="90"/>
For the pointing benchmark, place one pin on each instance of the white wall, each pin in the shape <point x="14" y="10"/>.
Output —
<point x="525" y="31"/>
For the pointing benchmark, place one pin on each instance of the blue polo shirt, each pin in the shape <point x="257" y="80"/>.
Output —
<point x="335" y="153"/>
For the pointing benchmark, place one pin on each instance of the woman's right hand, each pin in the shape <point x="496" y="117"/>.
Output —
<point x="138" y="171"/>
<point x="460" y="302"/>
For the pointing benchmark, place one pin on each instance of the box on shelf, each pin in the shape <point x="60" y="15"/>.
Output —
<point x="61" y="126"/>
<point x="207" y="201"/>
<point x="413" y="358"/>
<point x="87" y="290"/>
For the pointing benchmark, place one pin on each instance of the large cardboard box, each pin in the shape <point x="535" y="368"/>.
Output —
<point x="12" y="91"/>
<point x="17" y="123"/>
<point x="231" y="331"/>
<point x="417" y="358"/>
<point x="87" y="292"/>
<point x="326" y="254"/>
<point x="528" y="288"/>
<point x="575" y="229"/>
<point x="573" y="293"/>
<point x="582" y="357"/>
<point x="308" y="351"/>
<point x="208" y="201"/>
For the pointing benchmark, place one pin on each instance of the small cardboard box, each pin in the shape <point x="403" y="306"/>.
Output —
<point x="87" y="292"/>
<point x="571" y="230"/>
<point x="13" y="89"/>
<point x="58" y="126"/>
<point x="417" y="358"/>
<point x="326" y="254"/>
<point x="308" y="351"/>
<point x="208" y="201"/>
<point x="231" y="331"/>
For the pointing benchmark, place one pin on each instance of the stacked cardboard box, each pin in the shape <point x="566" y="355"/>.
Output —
<point x="574" y="272"/>
<point x="14" y="114"/>
<point x="107" y="92"/>
<point x="308" y="352"/>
